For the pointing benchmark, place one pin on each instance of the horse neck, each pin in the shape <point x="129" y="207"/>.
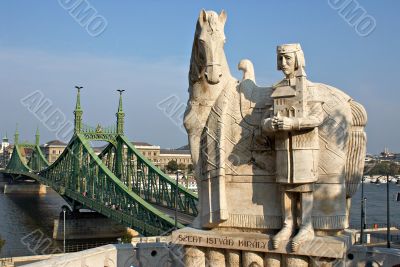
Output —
<point x="226" y="72"/>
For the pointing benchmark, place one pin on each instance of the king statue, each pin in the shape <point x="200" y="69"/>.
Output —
<point x="294" y="125"/>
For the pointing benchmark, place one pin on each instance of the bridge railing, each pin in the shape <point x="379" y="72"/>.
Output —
<point x="34" y="163"/>
<point x="80" y="174"/>
<point x="144" y="178"/>
<point x="17" y="162"/>
<point x="37" y="160"/>
<point x="98" y="129"/>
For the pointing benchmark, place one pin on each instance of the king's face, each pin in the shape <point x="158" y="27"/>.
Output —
<point x="287" y="63"/>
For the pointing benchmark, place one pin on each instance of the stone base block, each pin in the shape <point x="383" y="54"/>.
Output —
<point x="153" y="255"/>
<point x="2" y="184"/>
<point x="217" y="248"/>
<point x="87" y="228"/>
<point x="25" y="189"/>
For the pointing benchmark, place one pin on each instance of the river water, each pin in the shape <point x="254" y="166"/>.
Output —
<point x="26" y="225"/>
<point x="26" y="221"/>
<point x="376" y="206"/>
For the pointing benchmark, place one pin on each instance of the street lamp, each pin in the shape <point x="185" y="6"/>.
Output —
<point x="64" y="211"/>
<point x="387" y="212"/>
<point x="362" y="212"/>
<point x="176" y="198"/>
<point x="365" y="213"/>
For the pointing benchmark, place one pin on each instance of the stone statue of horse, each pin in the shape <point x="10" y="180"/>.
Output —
<point x="235" y="164"/>
<point x="209" y="76"/>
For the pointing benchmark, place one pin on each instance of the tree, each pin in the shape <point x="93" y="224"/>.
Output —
<point x="384" y="168"/>
<point x="172" y="166"/>
<point x="181" y="166"/>
<point x="2" y="242"/>
<point x="190" y="168"/>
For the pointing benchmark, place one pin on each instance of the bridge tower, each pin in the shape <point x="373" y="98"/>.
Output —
<point x="16" y="135"/>
<point x="78" y="111"/>
<point x="78" y="152"/>
<point x="119" y="183"/>
<point x="120" y="131"/>
<point x="37" y="137"/>
<point x="120" y="115"/>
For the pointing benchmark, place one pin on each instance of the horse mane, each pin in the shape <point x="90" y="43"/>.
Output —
<point x="195" y="60"/>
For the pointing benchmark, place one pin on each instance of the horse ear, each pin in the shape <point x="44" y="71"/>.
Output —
<point x="202" y="16"/>
<point x="222" y="16"/>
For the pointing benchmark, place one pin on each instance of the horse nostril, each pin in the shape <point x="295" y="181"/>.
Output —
<point x="220" y="75"/>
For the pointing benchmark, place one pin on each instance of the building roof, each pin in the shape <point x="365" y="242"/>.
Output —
<point x="175" y="151"/>
<point x="55" y="143"/>
<point x="26" y="151"/>
<point x="185" y="147"/>
<point x="99" y="149"/>
<point x="138" y="143"/>
<point x="9" y="148"/>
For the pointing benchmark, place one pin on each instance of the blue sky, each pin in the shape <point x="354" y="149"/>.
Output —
<point x="145" y="49"/>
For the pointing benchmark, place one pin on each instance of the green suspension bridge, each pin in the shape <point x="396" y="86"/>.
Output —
<point x="119" y="183"/>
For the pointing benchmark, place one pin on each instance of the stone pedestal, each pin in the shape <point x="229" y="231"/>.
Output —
<point x="233" y="258"/>
<point x="153" y="254"/>
<point x="215" y="257"/>
<point x="194" y="256"/>
<point x="217" y="248"/>
<point x="87" y="228"/>
<point x="273" y="259"/>
<point x="25" y="189"/>
<point x="253" y="259"/>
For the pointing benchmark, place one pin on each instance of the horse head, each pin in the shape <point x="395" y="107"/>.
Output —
<point x="208" y="54"/>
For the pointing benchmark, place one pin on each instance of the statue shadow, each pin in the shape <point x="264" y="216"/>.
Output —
<point x="256" y="151"/>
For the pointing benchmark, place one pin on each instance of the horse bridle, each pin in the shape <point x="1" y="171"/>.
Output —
<point x="213" y="64"/>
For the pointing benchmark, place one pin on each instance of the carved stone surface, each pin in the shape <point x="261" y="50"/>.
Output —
<point x="298" y="261"/>
<point x="282" y="160"/>
<point x="327" y="247"/>
<point x="215" y="257"/>
<point x="194" y="256"/>
<point x="233" y="258"/>
<point x="237" y="164"/>
<point x="272" y="259"/>
<point x="148" y="253"/>
<point x="252" y="259"/>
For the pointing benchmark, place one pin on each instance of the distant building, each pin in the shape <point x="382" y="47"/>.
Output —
<point x="369" y="158"/>
<point x="151" y="152"/>
<point x="4" y="143"/>
<point x="160" y="157"/>
<point x="53" y="150"/>
<point x="189" y="183"/>
<point x="387" y="155"/>
<point x="181" y="156"/>
<point x="98" y="150"/>
<point x="5" y="151"/>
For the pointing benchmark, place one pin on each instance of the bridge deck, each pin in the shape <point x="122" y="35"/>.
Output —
<point x="183" y="218"/>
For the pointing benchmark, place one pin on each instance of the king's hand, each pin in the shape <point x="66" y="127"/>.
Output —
<point x="269" y="125"/>
<point x="284" y="123"/>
